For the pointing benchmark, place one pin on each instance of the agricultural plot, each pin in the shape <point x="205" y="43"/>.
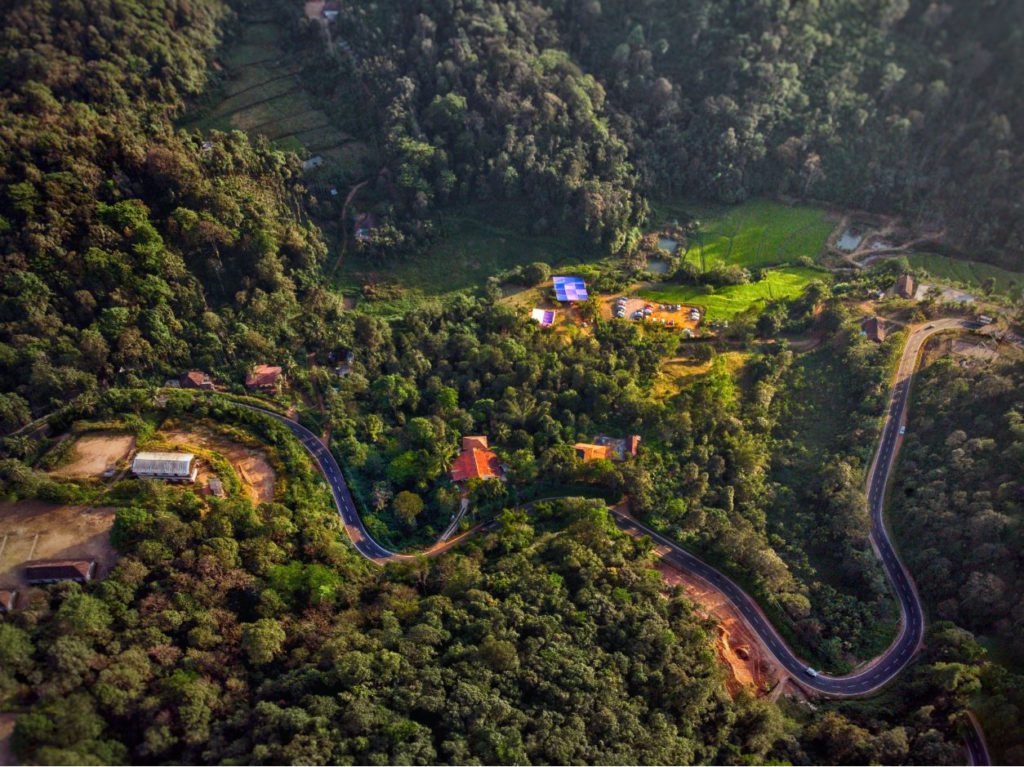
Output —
<point x="725" y="303"/>
<point x="753" y="234"/>
<point x="970" y="274"/>
<point x="263" y="94"/>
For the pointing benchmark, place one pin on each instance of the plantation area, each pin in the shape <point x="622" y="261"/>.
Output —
<point x="969" y="274"/>
<point x="753" y="234"/>
<point x="726" y="302"/>
<point x="261" y="90"/>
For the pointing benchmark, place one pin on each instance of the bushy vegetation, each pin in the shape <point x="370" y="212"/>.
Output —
<point x="589" y="108"/>
<point x="958" y="513"/>
<point x="129" y="251"/>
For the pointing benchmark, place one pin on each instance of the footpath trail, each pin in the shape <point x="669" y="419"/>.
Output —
<point x="864" y="680"/>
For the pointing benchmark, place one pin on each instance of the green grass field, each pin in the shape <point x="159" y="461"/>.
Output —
<point x="481" y="240"/>
<point x="969" y="274"/>
<point x="725" y="303"/>
<point x="752" y="234"/>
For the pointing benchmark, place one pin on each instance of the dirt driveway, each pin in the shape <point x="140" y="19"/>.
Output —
<point x="38" y="530"/>
<point x="252" y="465"/>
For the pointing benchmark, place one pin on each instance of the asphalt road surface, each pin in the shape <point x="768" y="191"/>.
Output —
<point x="977" y="752"/>
<point x="872" y="676"/>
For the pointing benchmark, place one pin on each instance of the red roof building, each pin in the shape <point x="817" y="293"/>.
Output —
<point x="196" y="379"/>
<point x="475" y="461"/>
<point x="7" y="600"/>
<point x="588" y="452"/>
<point x="264" y="378"/>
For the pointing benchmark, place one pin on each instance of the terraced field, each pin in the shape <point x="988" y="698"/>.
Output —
<point x="262" y="93"/>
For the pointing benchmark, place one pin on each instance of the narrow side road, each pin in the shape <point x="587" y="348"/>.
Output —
<point x="871" y="677"/>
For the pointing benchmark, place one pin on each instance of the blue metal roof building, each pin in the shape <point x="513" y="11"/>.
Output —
<point x="570" y="289"/>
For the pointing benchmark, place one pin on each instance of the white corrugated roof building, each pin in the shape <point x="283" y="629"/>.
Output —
<point x="165" y="466"/>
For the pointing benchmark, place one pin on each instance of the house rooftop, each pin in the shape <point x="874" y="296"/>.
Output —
<point x="478" y="442"/>
<point x="263" y="376"/>
<point x="874" y="329"/>
<point x="475" y="461"/>
<point x="591" y="452"/>
<point x="53" y="570"/>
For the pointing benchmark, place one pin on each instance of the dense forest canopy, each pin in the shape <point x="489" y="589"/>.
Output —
<point x="587" y="107"/>
<point x="232" y="631"/>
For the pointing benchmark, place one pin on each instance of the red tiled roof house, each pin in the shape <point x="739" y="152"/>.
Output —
<point x="196" y="379"/>
<point x="476" y="461"/>
<point x="265" y="378"/>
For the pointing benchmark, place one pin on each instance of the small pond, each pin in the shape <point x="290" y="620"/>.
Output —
<point x="667" y="244"/>
<point x="849" y="241"/>
<point x="657" y="266"/>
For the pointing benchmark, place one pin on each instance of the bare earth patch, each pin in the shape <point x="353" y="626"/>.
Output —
<point x="252" y="465"/>
<point x="38" y="530"/>
<point x="750" y="665"/>
<point x="95" y="453"/>
<point x="6" y="729"/>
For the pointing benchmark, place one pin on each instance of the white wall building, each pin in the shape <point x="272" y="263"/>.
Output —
<point x="175" y="467"/>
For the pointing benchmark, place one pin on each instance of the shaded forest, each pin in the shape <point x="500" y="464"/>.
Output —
<point x="588" y="107"/>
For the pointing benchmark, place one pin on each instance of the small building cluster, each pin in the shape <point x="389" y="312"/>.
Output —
<point x="364" y="224"/>
<point x="476" y="461"/>
<point x="319" y="10"/>
<point x="171" y="467"/>
<point x="608" y="448"/>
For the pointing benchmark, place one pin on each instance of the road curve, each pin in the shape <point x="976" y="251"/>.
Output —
<point x="974" y="739"/>
<point x="874" y="675"/>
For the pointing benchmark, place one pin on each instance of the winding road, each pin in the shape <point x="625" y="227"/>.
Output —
<point x="864" y="680"/>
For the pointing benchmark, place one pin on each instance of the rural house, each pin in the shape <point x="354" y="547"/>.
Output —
<point x="7" y="600"/>
<point x="476" y="461"/>
<point x="906" y="287"/>
<point x="608" y="448"/>
<point x="196" y="379"/>
<point x="173" y="467"/>
<point x="265" y="378"/>
<point x="874" y="329"/>
<point x="589" y="452"/>
<point x="57" y="570"/>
